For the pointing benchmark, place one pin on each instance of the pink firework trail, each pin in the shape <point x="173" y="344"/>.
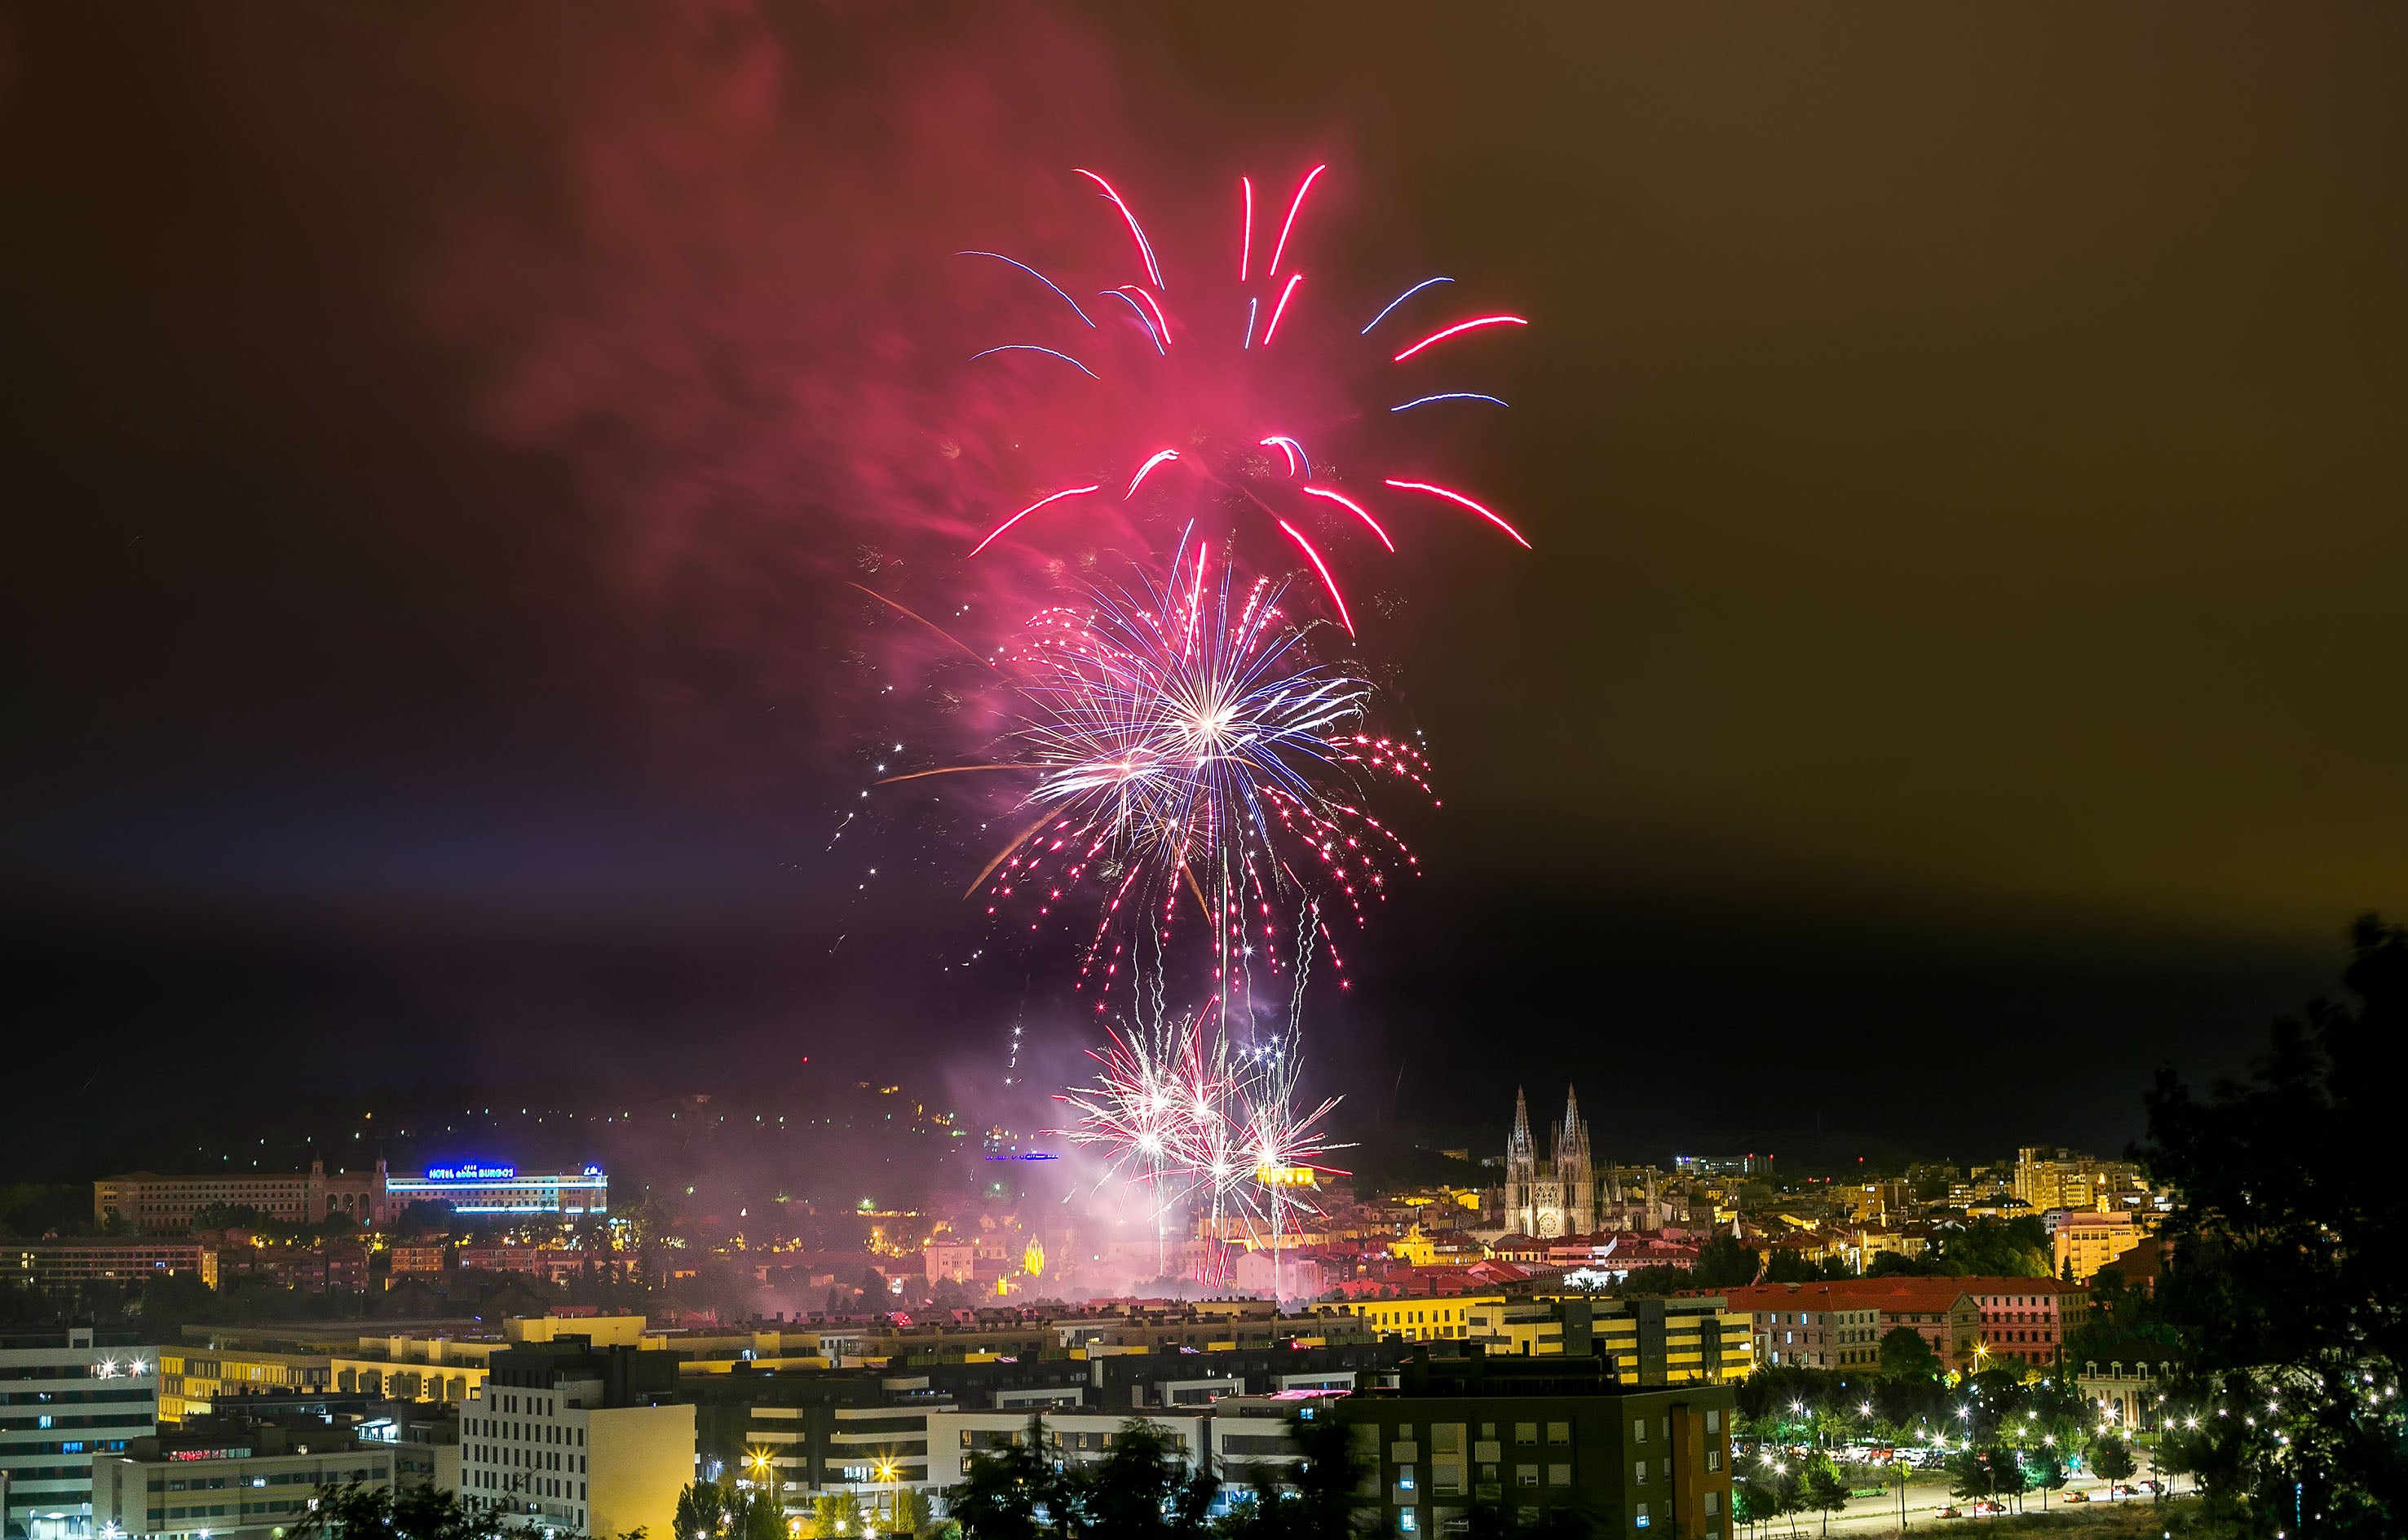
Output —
<point x="1226" y="381"/>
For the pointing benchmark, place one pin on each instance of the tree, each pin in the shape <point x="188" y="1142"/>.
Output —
<point x="1322" y="1496"/>
<point x="1001" y="1496"/>
<point x="1825" y="1492"/>
<point x="703" y="1511"/>
<point x="1905" y="1356"/>
<point x="2044" y="1469"/>
<point x="757" y="1515"/>
<point x="1892" y="1264"/>
<point x="1754" y="1499"/>
<point x="1972" y="1473"/>
<point x="1722" y="1262"/>
<point x="359" y="1512"/>
<point x="2111" y="1458"/>
<point x="2287" y="1259"/>
<point x="836" y="1515"/>
<point x="1141" y="1491"/>
<point x="911" y="1514"/>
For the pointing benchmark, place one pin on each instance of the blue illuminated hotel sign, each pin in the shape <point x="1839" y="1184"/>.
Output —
<point x="470" y="1174"/>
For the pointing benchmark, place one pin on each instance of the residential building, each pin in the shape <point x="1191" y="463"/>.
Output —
<point x="231" y="1478"/>
<point x="425" y="1440"/>
<point x="2026" y="1320"/>
<point x="64" y="1266"/>
<point x="1968" y="1322"/>
<point x="1683" y="1340"/>
<point x="1076" y="1438"/>
<point x="327" y="1267"/>
<point x="1428" y="1319"/>
<point x="2048" y="1179"/>
<point x="1544" y="1433"/>
<point x="566" y="1437"/>
<point x="2089" y="1241"/>
<point x="425" y="1262"/>
<point x="68" y="1396"/>
<point x="1839" y="1325"/>
<point x="815" y="1432"/>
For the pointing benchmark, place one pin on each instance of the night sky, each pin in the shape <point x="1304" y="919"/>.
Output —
<point x="1959" y="668"/>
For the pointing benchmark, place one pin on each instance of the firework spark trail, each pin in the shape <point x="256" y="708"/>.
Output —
<point x="1201" y="1122"/>
<point x="1180" y="740"/>
<point x="1206" y="405"/>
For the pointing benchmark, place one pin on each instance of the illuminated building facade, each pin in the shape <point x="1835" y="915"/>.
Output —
<point x="569" y="1439"/>
<point x="229" y="1480"/>
<point x="1554" y="1196"/>
<point x="152" y="1202"/>
<point x="474" y="1189"/>
<point x="74" y="1396"/>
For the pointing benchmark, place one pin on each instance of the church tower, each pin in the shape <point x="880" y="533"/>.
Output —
<point x="1576" y="1180"/>
<point x="1521" y="1171"/>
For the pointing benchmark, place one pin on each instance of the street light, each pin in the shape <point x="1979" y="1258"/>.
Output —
<point x="886" y="1471"/>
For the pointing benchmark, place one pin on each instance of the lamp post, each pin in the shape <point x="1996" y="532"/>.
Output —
<point x="886" y="1472"/>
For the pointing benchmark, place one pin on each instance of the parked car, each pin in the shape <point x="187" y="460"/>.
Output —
<point x="1984" y="1506"/>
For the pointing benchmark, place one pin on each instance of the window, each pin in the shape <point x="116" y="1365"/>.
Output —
<point x="1559" y="1474"/>
<point x="1714" y="1419"/>
<point x="1525" y="1476"/>
<point x="1713" y="1503"/>
<point x="1639" y="1520"/>
<point x="1523" y="1432"/>
<point x="1639" y="1474"/>
<point x="1559" y="1433"/>
<point x="1639" y="1429"/>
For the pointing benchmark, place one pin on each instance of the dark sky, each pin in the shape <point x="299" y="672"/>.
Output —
<point x="1960" y="668"/>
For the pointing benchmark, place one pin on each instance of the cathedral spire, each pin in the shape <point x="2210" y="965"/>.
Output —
<point x="1521" y="1154"/>
<point x="1571" y="1162"/>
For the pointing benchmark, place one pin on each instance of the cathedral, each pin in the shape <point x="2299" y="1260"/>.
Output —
<point x="1568" y="1193"/>
<point x="1557" y="1196"/>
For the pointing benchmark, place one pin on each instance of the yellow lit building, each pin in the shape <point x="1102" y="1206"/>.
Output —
<point x="1447" y="1319"/>
<point x="1690" y="1340"/>
<point x="2088" y="1241"/>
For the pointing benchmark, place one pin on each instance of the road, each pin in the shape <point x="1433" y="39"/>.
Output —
<point x="1929" y="1490"/>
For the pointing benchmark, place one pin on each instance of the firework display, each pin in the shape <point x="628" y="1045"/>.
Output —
<point x="1193" y="760"/>
<point x="1188" y="755"/>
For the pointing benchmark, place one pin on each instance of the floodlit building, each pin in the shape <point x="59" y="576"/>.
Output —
<point x="580" y="1440"/>
<point x="1554" y="1197"/>
<point x="2087" y="1242"/>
